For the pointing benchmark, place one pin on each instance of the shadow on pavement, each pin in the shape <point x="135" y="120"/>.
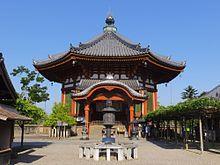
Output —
<point x="23" y="154"/>
<point x="172" y="145"/>
<point x="166" y="144"/>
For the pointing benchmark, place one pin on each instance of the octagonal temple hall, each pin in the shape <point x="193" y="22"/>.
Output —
<point x="109" y="67"/>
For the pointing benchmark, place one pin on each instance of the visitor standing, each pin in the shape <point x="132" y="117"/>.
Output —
<point x="147" y="132"/>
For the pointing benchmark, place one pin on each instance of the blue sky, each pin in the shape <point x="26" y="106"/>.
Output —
<point x="185" y="30"/>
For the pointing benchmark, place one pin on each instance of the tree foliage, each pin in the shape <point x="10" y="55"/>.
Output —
<point x="60" y="112"/>
<point x="31" y="85"/>
<point x="193" y="106"/>
<point x="27" y="108"/>
<point x="189" y="93"/>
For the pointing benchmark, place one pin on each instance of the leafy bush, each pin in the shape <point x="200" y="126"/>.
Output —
<point x="60" y="112"/>
<point x="27" y="108"/>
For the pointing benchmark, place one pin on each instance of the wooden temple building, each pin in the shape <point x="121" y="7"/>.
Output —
<point x="109" y="67"/>
<point x="8" y="114"/>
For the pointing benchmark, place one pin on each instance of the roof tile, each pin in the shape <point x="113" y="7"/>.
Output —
<point x="85" y="83"/>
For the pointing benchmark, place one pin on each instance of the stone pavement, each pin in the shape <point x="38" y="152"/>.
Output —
<point x="43" y="151"/>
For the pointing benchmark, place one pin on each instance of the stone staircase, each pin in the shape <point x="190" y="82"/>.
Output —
<point x="96" y="130"/>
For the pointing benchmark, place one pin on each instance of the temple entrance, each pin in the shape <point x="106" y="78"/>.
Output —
<point x="121" y="115"/>
<point x="94" y="99"/>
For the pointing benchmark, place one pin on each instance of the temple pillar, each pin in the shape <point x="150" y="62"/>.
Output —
<point x="63" y="97"/>
<point x="131" y="109"/>
<point x="145" y="109"/>
<point x="142" y="104"/>
<point x="86" y="109"/>
<point x="155" y="101"/>
<point x="73" y="107"/>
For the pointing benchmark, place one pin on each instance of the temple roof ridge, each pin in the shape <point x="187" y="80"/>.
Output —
<point x="50" y="58"/>
<point x="167" y="59"/>
<point x="109" y="82"/>
<point x="85" y="83"/>
<point x="109" y="44"/>
<point x="110" y="35"/>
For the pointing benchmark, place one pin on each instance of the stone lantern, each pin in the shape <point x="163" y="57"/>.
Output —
<point x="134" y="130"/>
<point x="108" y="121"/>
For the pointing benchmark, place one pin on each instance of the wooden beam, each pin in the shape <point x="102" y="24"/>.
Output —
<point x="175" y="131"/>
<point x="186" y="135"/>
<point x="22" y="133"/>
<point x="201" y="135"/>
<point x="73" y="107"/>
<point x="145" y="110"/>
<point x="86" y="110"/>
<point x="155" y="104"/>
<point x="63" y="97"/>
<point x="131" y="110"/>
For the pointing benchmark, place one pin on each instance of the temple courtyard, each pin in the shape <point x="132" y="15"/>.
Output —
<point x="41" y="150"/>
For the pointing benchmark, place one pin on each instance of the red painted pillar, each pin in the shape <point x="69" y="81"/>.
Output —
<point x="156" y="100"/>
<point x="63" y="97"/>
<point x="131" y="118"/>
<point x="155" y="104"/>
<point x="153" y="98"/>
<point x="73" y="107"/>
<point x="145" y="103"/>
<point x="86" y="109"/>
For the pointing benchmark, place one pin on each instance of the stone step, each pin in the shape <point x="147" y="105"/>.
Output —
<point x="98" y="122"/>
<point x="96" y="130"/>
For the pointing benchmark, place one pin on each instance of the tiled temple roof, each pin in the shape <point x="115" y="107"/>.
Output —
<point x="5" y="83"/>
<point x="85" y="83"/>
<point x="213" y="93"/>
<point x="109" y="82"/>
<point x="8" y="93"/>
<point x="51" y="58"/>
<point x="109" y="44"/>
<point x="10" y="113"/>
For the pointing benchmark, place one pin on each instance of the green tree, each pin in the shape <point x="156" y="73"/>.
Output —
<point x="27" y="108"/>
<point x="60" y="112"/>
<point x="189" y="93"/>
<point x="32" y="87"/>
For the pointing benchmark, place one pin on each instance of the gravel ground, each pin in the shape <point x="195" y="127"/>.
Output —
<point x="43" y="151"/>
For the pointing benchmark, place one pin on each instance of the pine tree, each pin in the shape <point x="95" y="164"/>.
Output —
<point x="189" y="93"/>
